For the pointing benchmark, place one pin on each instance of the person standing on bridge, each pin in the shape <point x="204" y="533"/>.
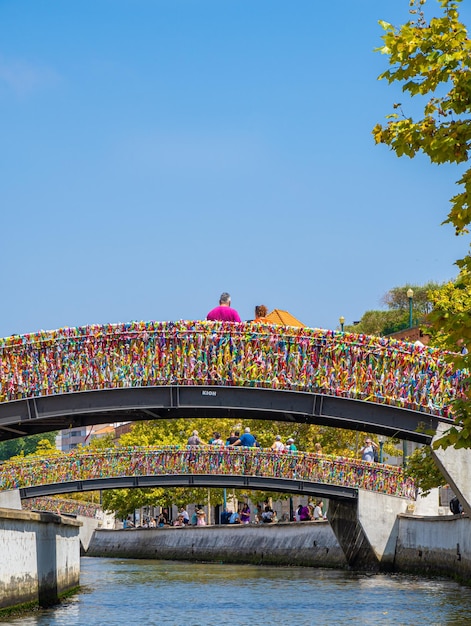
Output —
<point x="368" y="450"/>
<point x="234" y="436"/>
<point x="261" y="314"/>
<point x="194" y="440"/>
<point x="217" y="441"/>
<point x="247" y="439"/>
<point x="224" y="312"/>
<point x="278" y="445"/>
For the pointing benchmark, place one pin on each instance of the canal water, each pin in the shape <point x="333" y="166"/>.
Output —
<point x="169" y="593"/>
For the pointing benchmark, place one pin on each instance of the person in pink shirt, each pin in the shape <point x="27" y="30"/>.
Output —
<point x="224" y="312"/>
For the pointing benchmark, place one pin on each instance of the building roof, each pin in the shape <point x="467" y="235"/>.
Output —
<point x="277" y="316"/>
<point x="413" y="334"/>
<point x="100" y="431"/>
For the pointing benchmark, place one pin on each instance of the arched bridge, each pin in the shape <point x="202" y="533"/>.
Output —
<point x="61" y="506"/>
<point x="240" y="468"/>
<point x="149" y="370"/>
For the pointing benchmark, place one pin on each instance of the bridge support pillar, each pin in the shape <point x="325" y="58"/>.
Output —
<point x="455" y="465"/>
<point x="10" y="499"/>
<point x="367" y="529"/>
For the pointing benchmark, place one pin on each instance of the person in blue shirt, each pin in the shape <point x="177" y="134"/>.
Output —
<point x="234" y="518"/>
<point x="290" y="447"/>
<point x="247" y="439"/>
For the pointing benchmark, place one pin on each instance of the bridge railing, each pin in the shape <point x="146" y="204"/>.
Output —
<point x="297" y="466"/>
<point x="62" y="506"/>
<point x="143" y="354"/>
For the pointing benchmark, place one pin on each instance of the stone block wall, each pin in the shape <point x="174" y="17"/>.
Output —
<point x="40" y="557"/>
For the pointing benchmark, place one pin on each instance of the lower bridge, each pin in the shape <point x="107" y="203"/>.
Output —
<point x="364" y="498"/>
<point x="299" y="473"/>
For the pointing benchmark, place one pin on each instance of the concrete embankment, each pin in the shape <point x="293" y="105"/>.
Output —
<point x="434" y="545"/>
<point x="308" y="543"/>
<point x="39" y="558"/>
<point x="423" y="545"/>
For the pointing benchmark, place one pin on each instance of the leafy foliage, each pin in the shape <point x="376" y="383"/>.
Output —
<point x="24" y="446"/>
<point x="432" y="60"/>
<point x="396" y="318"/>
<point x="450" y="320"/>
<point x="396" y="299"/>
<point x="378" y="323"/>
<point x="423" y="57"/>
<point x="423" y="469"/>
<point x="124" y="501"/>
<point x="451" y="326"/>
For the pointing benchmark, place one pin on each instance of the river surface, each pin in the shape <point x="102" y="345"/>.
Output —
<point x="164" y="593"/>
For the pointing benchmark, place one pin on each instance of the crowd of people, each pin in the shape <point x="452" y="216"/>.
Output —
<point x="163" y="519"/>
<point x="254" y="354"/>
<point x="263" y="514"/>
<point x="246" y="440"/>
<point x="310" y="511"/>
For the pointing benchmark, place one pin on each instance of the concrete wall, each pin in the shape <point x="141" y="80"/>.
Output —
<point x="423" y="545"/>
<point x="455" y="465"/>
<point x="10" y="499"/>
<point x="306" y="543"/>
<point x="378" y="516"/>
<point x="88" y="527"/>
<point x="366" y="528"/>
<point x="344" y="520"/>
<point x="434" y="545"/>
<point x="39" y="557"/>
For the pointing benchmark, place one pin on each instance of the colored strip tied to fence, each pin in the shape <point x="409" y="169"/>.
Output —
<point x="62" y="506"/>
<point x="143" y="354"/>
<point x="199" y="460"/>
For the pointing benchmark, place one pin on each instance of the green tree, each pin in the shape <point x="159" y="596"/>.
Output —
<point x="379" y="323"/>
<point x="397" y="316"/>
<point x="423" y="469"/>
<point x="396" y="299"/>
<point x="450" y="319"/>
<point x="451" y="324"/>
<point x="23" y="446"/>
<point x="125" y="501"/>
<point x="431" y="59"/>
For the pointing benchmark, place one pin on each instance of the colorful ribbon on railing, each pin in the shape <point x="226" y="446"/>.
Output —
<point x="205" y="461"/>
<point x="61" y="506"/>
<point x="139" y="354"/>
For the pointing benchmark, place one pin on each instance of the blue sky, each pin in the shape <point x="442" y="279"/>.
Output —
<point x="155" y="153"/>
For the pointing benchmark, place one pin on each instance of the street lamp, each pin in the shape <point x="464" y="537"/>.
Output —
<point x="404" y="453"/>
<point x="410" y="295"/>
<point x="382" y="440"/>
<point x="342" y="322"/>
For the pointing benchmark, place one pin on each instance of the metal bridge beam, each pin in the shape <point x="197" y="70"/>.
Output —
<point x="57" y="412"/>
<point x="256" y="483"/>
